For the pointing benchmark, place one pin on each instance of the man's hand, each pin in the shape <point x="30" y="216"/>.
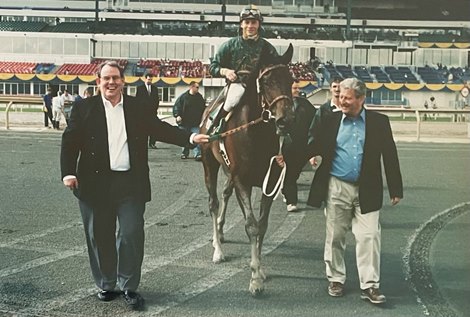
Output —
<point x="395" y="200"/>
<point x="229" y="74"/>
<point x="71" y="183"/>
<point x="280" y="160"/>
<point x="179" y="119"/>
<point x="315" y="161"/>
<point x="201" y="138"/>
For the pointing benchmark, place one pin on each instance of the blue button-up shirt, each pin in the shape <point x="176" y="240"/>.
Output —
<point x="349" y="148"/>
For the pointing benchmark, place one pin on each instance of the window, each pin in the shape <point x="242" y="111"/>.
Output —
<point x="40" y="88"/>
<point x="167" y="94"/>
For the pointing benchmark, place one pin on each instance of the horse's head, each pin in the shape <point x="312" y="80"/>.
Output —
<point x="274" y="87"/>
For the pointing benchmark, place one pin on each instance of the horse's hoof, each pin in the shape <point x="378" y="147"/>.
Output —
<point x="256" y="287"/>
<point x="218" y="257"/>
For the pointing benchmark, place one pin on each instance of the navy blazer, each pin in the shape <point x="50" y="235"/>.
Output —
<point x="378" y="144"/>
<point x="152" y="100"/>
<point x="85" y="150"/>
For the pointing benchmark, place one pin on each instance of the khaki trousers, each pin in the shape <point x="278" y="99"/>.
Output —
<point x="343" y="213"/>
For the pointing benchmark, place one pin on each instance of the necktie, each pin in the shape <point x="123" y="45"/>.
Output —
<point x="149" y="89"/>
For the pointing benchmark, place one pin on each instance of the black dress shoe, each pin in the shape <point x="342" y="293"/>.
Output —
<point x="133" y="300"/>
<point x="106" y="296"/>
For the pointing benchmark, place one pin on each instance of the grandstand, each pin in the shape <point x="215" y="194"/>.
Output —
<point x="401" y="61"/>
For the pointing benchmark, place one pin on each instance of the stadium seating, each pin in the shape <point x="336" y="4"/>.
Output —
<point x="20" y="26"/>
<point x="431" y="75"/>
<point x="17" y="67"/>
<point x="380" y="75"/>
<point x="363" y="74"/>
<point x="77" y="69"/>
<point x="302" y="71"/>
<point x="402" y="74"/>
<point x="170" y="68"/>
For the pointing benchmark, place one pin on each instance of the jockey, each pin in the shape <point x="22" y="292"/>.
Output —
<point x="240" y="53"/>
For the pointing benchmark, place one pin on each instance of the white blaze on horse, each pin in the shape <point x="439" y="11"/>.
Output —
<point x="252" y="139"/>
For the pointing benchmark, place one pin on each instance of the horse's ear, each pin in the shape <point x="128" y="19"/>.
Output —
<point x="287" y="57"/>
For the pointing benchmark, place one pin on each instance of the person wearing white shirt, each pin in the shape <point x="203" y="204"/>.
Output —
<point x="104" y="160"/>
<point x="57" y="110"/>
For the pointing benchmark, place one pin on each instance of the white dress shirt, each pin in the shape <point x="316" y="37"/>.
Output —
<point x="117" y="136"/>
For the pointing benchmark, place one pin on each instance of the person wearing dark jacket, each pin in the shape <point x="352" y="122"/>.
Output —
<point x="352" y="144"/>
<point x="295" y="154"/>
<point x="326" y="109"/>
<point x="237" y="58"/>
<point x="188" y="110"/>
<point x="104" y="160"/>
<point x="148" y="94"/>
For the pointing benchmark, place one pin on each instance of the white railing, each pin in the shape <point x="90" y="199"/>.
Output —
<point x="418" y="113"/>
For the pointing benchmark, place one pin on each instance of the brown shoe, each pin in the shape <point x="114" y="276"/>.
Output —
<point x="373" y="295"/>
<point x="335" y="289"/>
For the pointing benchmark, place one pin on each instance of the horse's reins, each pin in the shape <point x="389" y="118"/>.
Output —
<point x="266" y="105"/>
<point x="265" y="117"/>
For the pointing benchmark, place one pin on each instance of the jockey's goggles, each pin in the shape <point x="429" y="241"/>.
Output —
<point x="251" y="14"/>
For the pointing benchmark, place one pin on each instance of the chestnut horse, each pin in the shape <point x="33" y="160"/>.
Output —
<point x="247" y="156"/>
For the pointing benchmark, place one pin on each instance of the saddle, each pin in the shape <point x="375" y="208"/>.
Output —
<point x="214" y="110"/>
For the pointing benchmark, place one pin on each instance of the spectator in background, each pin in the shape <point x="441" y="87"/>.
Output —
<point x="433" y="105"/>
<point x="326" y="109"/>
<point x="88" y="92"/>
<point x="148" y="95"/>
<point x="188" y="110"/>
<point x="57" y="110"/>
<point x="67" y="104"/>
<point x="295" y="154"/>
<point x="426" y="106"/>
<point x="47" y="101"/>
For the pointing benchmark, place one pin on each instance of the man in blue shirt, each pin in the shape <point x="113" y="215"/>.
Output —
<point x="352" y="144"/>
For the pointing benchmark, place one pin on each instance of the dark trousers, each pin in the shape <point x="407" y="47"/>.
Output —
<point x="294" y="168"/>
<point x="115" y="257"/>
<point x="48" y="116"/>
<point x="152" y="140"/>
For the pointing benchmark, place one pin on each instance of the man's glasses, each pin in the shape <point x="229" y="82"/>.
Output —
<point x="245" y="14"/>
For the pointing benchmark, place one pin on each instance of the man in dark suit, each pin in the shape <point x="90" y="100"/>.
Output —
<point x="352" y="144"/>
<point x="104" y="160"/>
<point x="295" y="154"/>
<point x="148" y="94"/>
<point x="326" y="109"/>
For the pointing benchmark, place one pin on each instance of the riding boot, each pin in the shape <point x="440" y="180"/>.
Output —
<point x="218" y="125"/>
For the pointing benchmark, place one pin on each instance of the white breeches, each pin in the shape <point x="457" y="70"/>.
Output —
<point x="234" y="94"/>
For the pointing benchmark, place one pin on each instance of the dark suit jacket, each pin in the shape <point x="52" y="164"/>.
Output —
<point x="151" y="100"/>
<point x="324" y="111"/>
<point x="296" y="152"/>
<point x="378" y="144"/>
<point x="85" y="150"/>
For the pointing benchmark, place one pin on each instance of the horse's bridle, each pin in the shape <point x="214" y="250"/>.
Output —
<point x="263" y="101"/>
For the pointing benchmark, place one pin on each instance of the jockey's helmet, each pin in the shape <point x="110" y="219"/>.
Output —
<point x="251" y="12"/>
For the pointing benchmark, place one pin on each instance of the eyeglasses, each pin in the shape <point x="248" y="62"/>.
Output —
<point x="109" y="78"/>
<point x="254" y="13"/>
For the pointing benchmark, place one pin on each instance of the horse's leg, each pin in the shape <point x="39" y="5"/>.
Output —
<point x="252" y="230"/>
<point x="227" y="193"/>
<point x="265" y="209"/>
<point x="211" y="169"/>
